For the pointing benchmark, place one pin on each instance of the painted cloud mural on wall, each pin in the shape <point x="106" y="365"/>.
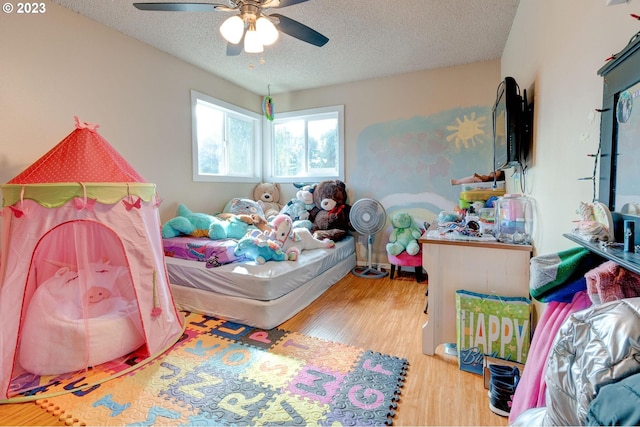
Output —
<point x="408" y="164"/>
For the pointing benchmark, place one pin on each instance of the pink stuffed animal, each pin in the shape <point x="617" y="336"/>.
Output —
<point x="295" y="239"/>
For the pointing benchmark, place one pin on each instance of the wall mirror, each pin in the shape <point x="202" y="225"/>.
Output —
<point x="619" y="184"/>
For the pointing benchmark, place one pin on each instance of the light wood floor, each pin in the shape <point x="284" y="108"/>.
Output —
<point x="382" y="315"/>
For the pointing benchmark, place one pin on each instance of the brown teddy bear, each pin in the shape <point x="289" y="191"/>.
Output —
<point x="331" y="216"/>
<point x="267" y="195"/>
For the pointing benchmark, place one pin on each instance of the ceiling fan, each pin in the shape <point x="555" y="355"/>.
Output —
<point x="250" y="25"/>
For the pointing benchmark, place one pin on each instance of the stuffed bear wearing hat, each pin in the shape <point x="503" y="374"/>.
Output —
<point x="267" y="195"/>
<point x="332" y="218"/>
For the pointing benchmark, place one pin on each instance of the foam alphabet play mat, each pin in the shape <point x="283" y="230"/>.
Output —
<point x="224" y="373"/>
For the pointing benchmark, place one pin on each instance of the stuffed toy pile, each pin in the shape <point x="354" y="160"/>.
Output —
<point x="282" y="242"/>
<point x="301" y="208"/>
<point x="296" y="239"/>
<point x="221" y="226"/>
<point x="404" y="236"/>
<point x="268" y="197"/>
<point x="331" y="221"/>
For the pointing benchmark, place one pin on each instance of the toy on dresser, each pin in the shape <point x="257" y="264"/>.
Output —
<point x="595" y="224"/>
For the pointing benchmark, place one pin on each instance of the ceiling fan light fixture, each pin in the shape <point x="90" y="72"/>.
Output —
<point x="267" y="31"/>
<point x="252" y="41"/>
<point x="232" y="29"/>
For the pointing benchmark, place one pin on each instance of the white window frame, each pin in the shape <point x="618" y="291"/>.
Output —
<point x="268" y="136"/>
<point x="228" y="110"/>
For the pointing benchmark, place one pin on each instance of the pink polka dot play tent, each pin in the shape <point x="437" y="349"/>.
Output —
<point x="82" y="274"/>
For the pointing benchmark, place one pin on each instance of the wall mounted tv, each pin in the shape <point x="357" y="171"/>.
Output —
<point x="511" y="125"/>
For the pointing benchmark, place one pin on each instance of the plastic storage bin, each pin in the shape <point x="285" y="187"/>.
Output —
<point x="514" y="219"/>
<point x="481" y="186"/>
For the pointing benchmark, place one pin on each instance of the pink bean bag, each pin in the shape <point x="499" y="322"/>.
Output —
<point x="79" y="319"/>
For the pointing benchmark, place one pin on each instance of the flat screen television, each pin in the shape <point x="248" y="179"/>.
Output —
<point x="619" y="186"/>
<point x="510" y="125"/>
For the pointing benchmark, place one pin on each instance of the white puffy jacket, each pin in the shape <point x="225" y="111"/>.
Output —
<point x="594" y="347"/>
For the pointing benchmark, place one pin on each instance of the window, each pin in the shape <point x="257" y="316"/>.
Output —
<point x="226" y="141"/>
<point x="305" y="145"/>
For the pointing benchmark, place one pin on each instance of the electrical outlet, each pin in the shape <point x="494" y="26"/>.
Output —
<point x="614" y="2"/>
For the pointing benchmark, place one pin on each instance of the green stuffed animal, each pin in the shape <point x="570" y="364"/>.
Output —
<point x="404" y="236"/>
<point x="187" y="223"/>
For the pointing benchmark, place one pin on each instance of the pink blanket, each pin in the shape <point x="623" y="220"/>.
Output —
<point x="610" y="281"/>
<point x="531" y="389"/>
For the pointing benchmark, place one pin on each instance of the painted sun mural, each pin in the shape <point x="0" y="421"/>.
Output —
<point x="467" y="131"/>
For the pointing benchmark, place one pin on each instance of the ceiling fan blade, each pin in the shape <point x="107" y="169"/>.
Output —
<point x="179" y="7"/>
<point x="299" y="31"/>
<point x="280" y="3"/>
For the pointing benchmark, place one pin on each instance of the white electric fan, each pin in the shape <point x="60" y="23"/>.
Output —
<point x="368" y="217"/>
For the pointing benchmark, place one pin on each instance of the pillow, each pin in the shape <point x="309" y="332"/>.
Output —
<point x="240" y="206"/>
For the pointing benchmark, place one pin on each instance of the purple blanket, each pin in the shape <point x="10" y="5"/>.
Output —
<point x="214" y="252"/>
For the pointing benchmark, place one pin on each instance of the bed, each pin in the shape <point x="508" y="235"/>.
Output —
<point x="206" y="277"/>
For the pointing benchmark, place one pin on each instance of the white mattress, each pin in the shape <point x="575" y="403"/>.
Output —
<point x="263" y="296"/>
<point x="262" y="282"/>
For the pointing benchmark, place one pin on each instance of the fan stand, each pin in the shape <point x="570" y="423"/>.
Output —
<point x="368" y="272"/>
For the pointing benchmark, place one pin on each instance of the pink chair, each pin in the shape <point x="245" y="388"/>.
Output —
<point x="405" y="260"/>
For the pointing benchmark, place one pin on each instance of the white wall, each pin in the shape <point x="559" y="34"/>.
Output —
<point x="556" y="48"/>
<point x="60" y="64"/>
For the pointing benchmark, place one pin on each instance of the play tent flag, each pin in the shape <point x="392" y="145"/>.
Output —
<point x="82" y="274"/>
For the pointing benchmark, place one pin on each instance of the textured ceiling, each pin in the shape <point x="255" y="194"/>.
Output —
<point x="367" y="39"/>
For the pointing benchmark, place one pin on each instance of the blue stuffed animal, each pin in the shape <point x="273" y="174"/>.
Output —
<point x="259" y="247"/>
<point x="194" y="224"/>
<point x="301" y="206"/>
